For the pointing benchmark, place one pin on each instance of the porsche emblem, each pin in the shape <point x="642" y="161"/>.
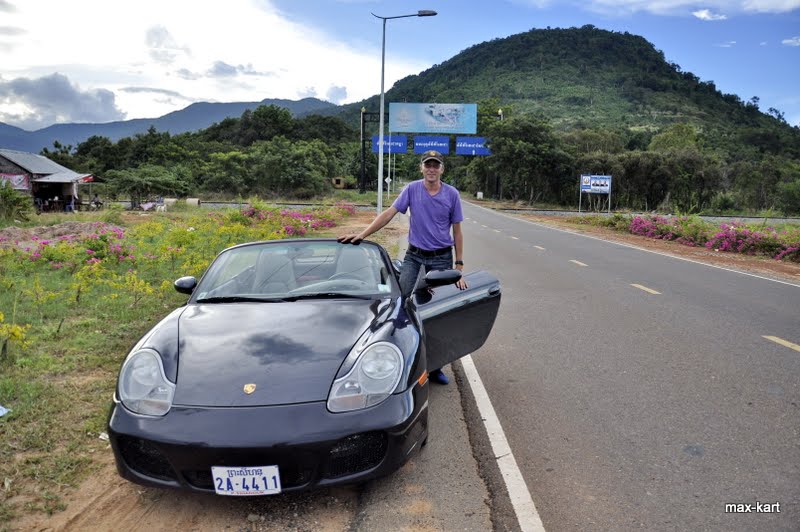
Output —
<point x="249" y="388"/>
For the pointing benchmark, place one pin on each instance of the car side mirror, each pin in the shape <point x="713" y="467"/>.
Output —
<point x="185" y="285"/>
<point x="437" y="278"/>
<point x="397" y="264"/>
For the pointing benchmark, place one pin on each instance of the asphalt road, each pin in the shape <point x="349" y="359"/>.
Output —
<point x="638" y="391"/>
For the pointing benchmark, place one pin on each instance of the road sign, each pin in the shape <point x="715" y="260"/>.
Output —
<point x="388" y="180"/>
<point x="391" y="143"/>
<point x="472" y="146"/>
<point x="423" y="143"/>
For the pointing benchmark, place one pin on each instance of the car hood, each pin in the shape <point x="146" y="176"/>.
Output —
<point x="290" y="351"/>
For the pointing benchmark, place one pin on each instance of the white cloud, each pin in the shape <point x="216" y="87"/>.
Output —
<point x="239" y="50"/>
<point x="794" y="41"/>
<point x="35" y="103"/>
<point x="11" y="31"/>
<point x="163" y="48"/>
<point x="770" y="6"/>
<point x="678" y="7"/>
<point x="705" y="14"/>
<point x="728" y="44"/>
<point x="336" y="94"/>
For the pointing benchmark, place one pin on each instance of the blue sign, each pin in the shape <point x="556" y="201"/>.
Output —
<point x="440" y="144"/>
<point x="391" y="143"/>
<point x="596" y="184"/>
<point x="433" y="118"/>
<point x="471" y="146"/>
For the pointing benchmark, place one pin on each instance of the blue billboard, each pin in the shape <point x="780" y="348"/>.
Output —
<point x="391" y="143"/>
<point x="433" y="118"/>
<point x="596" y="184"/>
<point x="424" y="143"/>
<point x="472" y="146"/>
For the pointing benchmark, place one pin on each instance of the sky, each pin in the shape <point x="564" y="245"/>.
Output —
<point x="102" y="61"/>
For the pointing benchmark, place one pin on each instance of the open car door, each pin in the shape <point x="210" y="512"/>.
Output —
<point x="458" y="322"/>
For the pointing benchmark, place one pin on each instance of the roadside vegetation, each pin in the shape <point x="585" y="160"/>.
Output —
<point x="72" y="306"/>
<point x="779" y="242"/>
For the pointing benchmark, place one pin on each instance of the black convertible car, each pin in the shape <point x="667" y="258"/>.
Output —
<point x="294" y="364"/>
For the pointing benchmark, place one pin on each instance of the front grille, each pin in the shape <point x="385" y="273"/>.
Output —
<point x="145" y="458"/>
<point x="356" y="453"/>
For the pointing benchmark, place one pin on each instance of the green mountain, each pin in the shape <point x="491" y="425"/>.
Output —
<point x="581" y="78"/>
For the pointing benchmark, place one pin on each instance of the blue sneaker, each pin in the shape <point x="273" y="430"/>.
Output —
<point x="439" y="377"/>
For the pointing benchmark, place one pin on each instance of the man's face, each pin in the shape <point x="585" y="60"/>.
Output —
<point x="432" y="170"/>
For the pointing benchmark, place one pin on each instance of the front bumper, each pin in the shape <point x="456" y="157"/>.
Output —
<point x="311" y="446"/>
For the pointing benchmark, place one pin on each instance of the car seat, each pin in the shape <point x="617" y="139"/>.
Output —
<point x="274" y="274"/>
<point x="354" y="263"/>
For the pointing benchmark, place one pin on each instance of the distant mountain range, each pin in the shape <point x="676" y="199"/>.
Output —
<point x="195" y="117"/>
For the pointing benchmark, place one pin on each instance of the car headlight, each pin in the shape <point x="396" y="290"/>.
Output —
<point x="143" y="387"/>
<point x="372" y="379"/>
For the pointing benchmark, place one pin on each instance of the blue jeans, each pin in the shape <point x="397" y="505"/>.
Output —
<point x="412" y="263"/>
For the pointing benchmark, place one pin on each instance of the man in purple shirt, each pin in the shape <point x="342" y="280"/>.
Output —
<point x="435" y="209"/>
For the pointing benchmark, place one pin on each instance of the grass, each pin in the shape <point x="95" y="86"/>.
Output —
<point x="71" y="308"/>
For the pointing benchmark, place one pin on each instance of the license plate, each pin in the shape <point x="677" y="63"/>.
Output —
<point x="241" y="481"/>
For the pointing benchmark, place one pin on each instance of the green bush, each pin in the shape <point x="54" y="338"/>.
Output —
<point x="14" y="205"/>
<point x="723" y="202"/>
<point x="789" y="197"/>
<point x="112" y="214"/>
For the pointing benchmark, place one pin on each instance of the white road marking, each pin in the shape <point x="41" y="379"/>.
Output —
<point x="579" y="263"/>
<point x="649" y="290"/>
<point x="515" y="237"/>
<point x="539" y="247"/>
<point x="783" y="342"/>
<point x="527" y="516"/>
<point x="497" y="230"/>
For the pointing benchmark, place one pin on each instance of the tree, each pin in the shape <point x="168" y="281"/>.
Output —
<point x="143" y="183"/>
<point x="329" y="129"/>
<point x="296" y="169"/>
<point x="675" y="137"/>
<point x="226" y="172"/>
<point x="789" y="197"/>
<point x="264" y="123"/>
<point x="527" y="158"/>
<point x="13" y="205"/>
<point x="61" y="154"/>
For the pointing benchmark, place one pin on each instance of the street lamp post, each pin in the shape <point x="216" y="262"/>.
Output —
<point x="421" y="13"/>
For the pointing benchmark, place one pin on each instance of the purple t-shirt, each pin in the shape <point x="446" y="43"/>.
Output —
<point x="431" y="216"/>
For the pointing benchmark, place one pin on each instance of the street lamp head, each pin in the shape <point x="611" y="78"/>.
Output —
<point x="420" y="13"/>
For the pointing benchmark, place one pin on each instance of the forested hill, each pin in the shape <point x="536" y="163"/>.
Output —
<point x="593" y="78"/>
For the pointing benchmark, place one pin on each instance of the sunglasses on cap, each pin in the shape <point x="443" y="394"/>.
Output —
<point x="432" y="164"/>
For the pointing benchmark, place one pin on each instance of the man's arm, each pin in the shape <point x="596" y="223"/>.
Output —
<point x="458" y="242"/>
<point x="377" y="224"/>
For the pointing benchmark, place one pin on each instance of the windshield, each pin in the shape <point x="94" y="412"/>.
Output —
<point x="287" y="271"/>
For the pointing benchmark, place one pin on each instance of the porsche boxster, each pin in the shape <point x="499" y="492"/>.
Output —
<point x="294" y="364"/>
